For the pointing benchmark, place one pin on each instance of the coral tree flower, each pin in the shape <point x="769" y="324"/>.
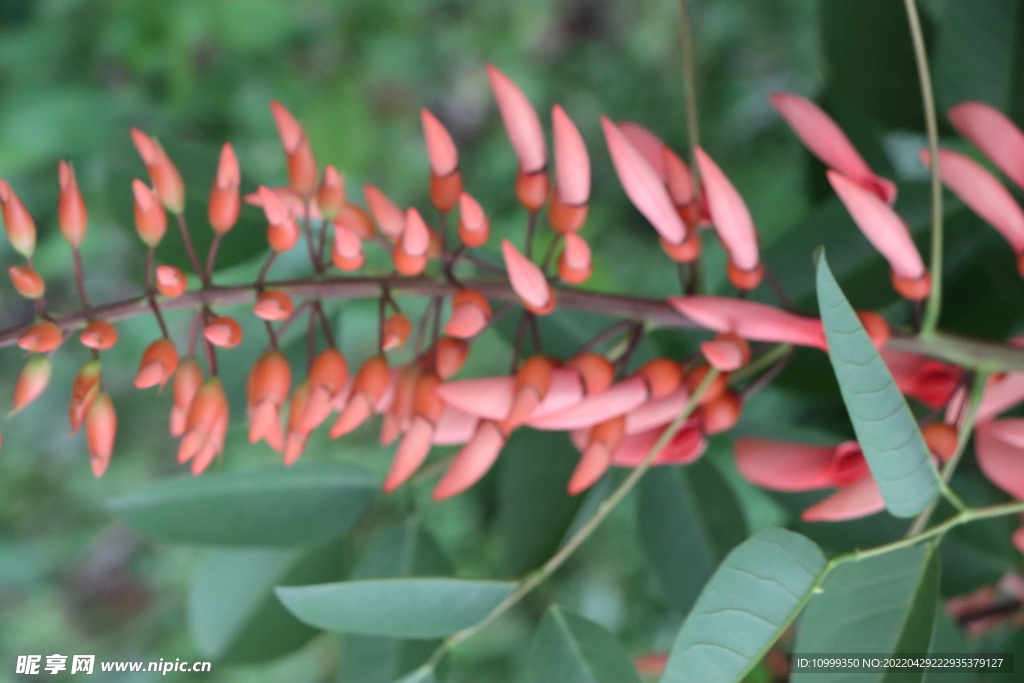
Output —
<point x="31" y="383"/>
<point x="994" y="134"/>
<point x="474" y="228"/>
<point x="267" y="390"/>
<point x="27" y="282"/>
<point x="829" y="143"/>
<point x="751" y="320"/>
<point x="84" y="390"/>
<point x="72" y="216"/>
<point x="330" y="194"/>
<point x="205" y="426"/>
<point x="528" y="281"/>
<point x="888" y="234"/>
<point x="732" y="222"/>
<point x="568" y="207"/>
<point x="150" y="217"/>
<point x="100" y="432"/>
<point x="167" y="181"/>
<point x="18" y="223"/>
<point x="159" y="361"/>
<point x="222" y="211"/>
<point x="445" y="179"/>
<point x="527" y="138"/>
<point x="302" y="171"/>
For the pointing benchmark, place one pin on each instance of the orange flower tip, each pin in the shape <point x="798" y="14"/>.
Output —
<point x="474" y="228"/>
<point x="396" y="330"/>
<point x="686" y="251"/>
<point x="145" y="146"/>
<point x="574" y="265"/>
<point x="356" y="411"/>
<point x="390" y="219"/>
<point x="100" y="432"/>
<point x="472" y="462"/>
<point x="42" y="337"/>
<point x="572" y="163"/>
<point x="411" y="452"/>
<point x="565" y="218"/>
<point x="722" y="413"/>
<point x="415" y="239"/>
<point x="99" y="335"/>
<point x="643" y="185"/>
<point x="159" y="361"/>
<point x="223" y="332"/>
<point x="228" y="174"/>
<point x="288" y="127"/>
<point x="521" y="122"/>
<point x="170" y="281"/>
<point x="330" y="195"/>
<point x="445" y="190"/>
<point x="913" y="289"/>
<point x="729" y="215"/>
<point x="27" y="282"/>
<point x="294" y="445"/>
<point x="275" y="209"/>
<point x="726" y="352"/>
<point x="528" y="280"/>
<point x="167" y="181"/>
<point x="150" y="217"/>
<point x="596" y="371"/>
<point x="357" y="221"/>
<point x="876" y="326"/>
<point x="273" y="305"/>
<point x="470" y="313"/>
<point x="71" y="212"/>
<point x="596" y="460"/>
<point x="532" y="189"/>
<point x="18" y="223"/>
<point x="225" y="203"/>
<point x="745" y="280"/>
<point x="31" y="383"/>
<point x="347" y="253"/>
<point x="441" y="151"/>
<point x="941" y="439"/>
<point x="449" y="356"/>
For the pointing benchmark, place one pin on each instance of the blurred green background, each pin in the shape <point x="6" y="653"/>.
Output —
<point x="76" y="75"/>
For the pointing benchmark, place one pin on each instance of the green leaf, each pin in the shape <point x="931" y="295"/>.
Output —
<point x="884" y="604"/>
<point x="232" y="612"/>
<point x="275" y="506"/>
<point x="687" y="519"/>
<point x="404" y="549"/>
<point x="534" y="466"/>
<point x="750" y="600"/>
<point x="570" y="649"/>
<point x="886" y="429"/>
<point x="400" y="608"/>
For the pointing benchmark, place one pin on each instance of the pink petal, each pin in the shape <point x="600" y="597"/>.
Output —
<point x="526" y="278"/>
<point x="454" y="426"/>
<point x="486" y="397"/>
<point x="596" y="459"/>
<point x="1001" y="394"/>
<point x="643" y="186"/>
<point x="565" y="391"/>
<point x="416" y="236"/>
<point x="782" y="466"/>
<point x="412" y="451"/>
<point x="657" y="412"/>
<point x="472" y="462"/>
<point x="648" y="144"/>
<point x="678" y="178"/>
<point x="751" y="320"/>
<point x="521" y="122"/>
<point x="471" y="213"/>
<point x="465" y="322"/>
<point x="388" y="216"/>
<point x="729" y="214"/>
<point x="686" y="446"/>
<point x="577" y="252"/>
<point x="572" y="163"/>
<point x="829" y="143"/>
<point x="881" y="225"/>
<point x="723" y="354"/>
<point x="617" y="400"/>
<point x="994" y="134"/>
<point x="986" y="196"/>
<point x="444" y="158"/>
<point x="859" y="499"/>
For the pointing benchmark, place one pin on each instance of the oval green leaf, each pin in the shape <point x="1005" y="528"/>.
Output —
<point x="277" y="506"/>
<point x="399" y="608"/>
<point x="886" y="429"/>
<point x="884" y="605"/>
<point x="750" y="600"/>
<point x="570" y="649"/>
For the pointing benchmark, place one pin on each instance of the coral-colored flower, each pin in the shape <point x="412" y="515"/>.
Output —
<point x="27" y="282"/>
<point x="187" y="380"/>
<point x="674" y="173"/>
<point x="31" y="382"/>
<point x="100" y="432"/>
<point x="356" y="220"/>
<point x="888" y="234"/>
<point x="410" y="252"/>
<point x="527" y="138"/>
<point x="396" y="330"/>
<point x="223" y="331"/>
<point x="418" y="438"/>
<point x="370" y="384"/>
<point x="643" y="186"/>
<point x="205" y="426"/>
<point x="158" y="363"/>
<point x="751" y="320"/>
<point x="330" y="195"/>
<point x="347" y="252"/>
<point x="602" y="440"/>
<point x="726" y="352"/>
<point x="390" y="219"/>
<point x="165" y="177"/>
<point x="829" y="143"/>
<point x="171" y="281"/>
<point x="84" y="390"/>
<point x="150" y="217"/>
<point x="732" y="221"/>
<point x="273" y="305"/>
<point x="282" y="230"/>
<point x="42" y="337"/>
<point x="222" y="211"/>
<point x="302" y="171"/>
<point x="929" y="381"/>
<point x="533" y="380"/>
<point x="72" y="216"/>
<point x="470" y="313"/>
<point x="99" y="335"/>
<point x="994" y="134"/>
<point x="18" y="223"/>
<point x="295" y="439"/>
<point x="473" y="461"/>
<point x="449" y="356"/>
<point x="327" y="378"/>
<point x="474" y="228"/>
<point x="445" y="179"/>
<point x="574" y="265"/>
<point x="568" y="207"/>
<point x="269" y="382"/>
<point x="528" y="281"/>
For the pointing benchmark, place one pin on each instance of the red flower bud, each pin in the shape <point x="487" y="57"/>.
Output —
<point x="71" y="213"/>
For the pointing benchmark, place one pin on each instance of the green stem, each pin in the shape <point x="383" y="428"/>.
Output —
<point x="934" y="306"/>
<point x="531" y="581"/>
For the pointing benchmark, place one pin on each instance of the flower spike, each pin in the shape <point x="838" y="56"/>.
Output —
<point x="829" y="143"/>
<point x="71" y="213"/>
<point x="445" y="179"/>
<point x="302" y="173"/>
<point x="994" y="134"/>
<point x="18" y="223"/>
<point x="150" y="217"/>
<point x="166" y="180"/>
<point x="643" y="186"/>
<point x="888" y="233"/>
<point x="528" y="281"/>
<point x="732" y="222"/>
<point x="225" y="203"/>
<point x="100" y="432"/>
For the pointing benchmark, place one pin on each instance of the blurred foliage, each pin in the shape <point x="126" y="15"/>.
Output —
<point x="76" y="75"/>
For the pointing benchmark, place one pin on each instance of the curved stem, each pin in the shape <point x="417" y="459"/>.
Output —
<point x="531" y="581"/>
<point x="934" y="306"/>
